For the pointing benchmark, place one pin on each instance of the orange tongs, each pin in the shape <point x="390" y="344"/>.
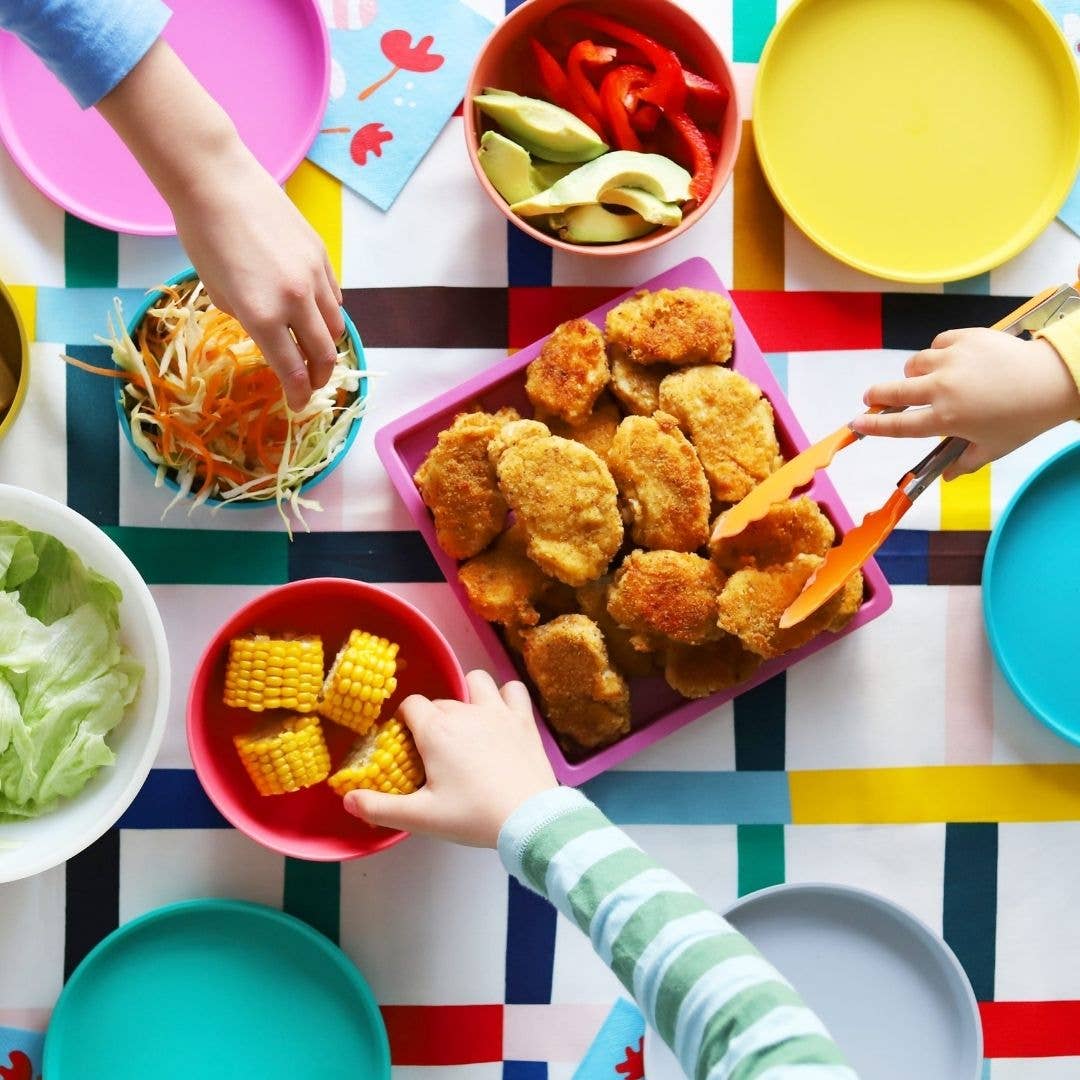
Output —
<point x="861" y="542"/>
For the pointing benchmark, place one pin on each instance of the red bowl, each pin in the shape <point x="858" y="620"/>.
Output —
<point x="506" y="61"/>
<point x="310" y="824"/>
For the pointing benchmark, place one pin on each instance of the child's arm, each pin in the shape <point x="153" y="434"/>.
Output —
<point x="994" y="390"/>
<point x="712" y="997"/>
<point x="259" y="258"/>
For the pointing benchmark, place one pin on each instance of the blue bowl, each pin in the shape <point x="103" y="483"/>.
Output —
<point x="248" y="504"/>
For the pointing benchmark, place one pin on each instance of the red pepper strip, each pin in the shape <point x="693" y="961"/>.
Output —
<point x="712" y="141"/>
<point x="645" y="118"/>
<point x="585" y="52"/>
<point x="667" y="90"/>
<point x="699" y="154"/>
<point x="553" y="79"/>
<point x="614" y="91"/>
<point x="707" y="100"/>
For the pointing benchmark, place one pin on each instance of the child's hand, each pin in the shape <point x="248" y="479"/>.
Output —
<point x="993" y="389"/>
<point x="483" y="760"/>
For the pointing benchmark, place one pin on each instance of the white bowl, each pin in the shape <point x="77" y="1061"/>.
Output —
<point x="30" y="846"/>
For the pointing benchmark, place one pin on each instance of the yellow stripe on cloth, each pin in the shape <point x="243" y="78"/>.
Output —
<point x="318" y="195"/>
<point x="25" y="299"/>
<point x="934" y="794"/>
<point x="965" y="501"/>
<point x="758" y="223"/>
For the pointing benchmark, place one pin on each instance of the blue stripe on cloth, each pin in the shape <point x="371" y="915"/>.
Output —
<point x="528" y="262"/>
<point x="778" y="365"/>
<point x="979" y="285"/>
<point x="530" y="947"/>
<point x="905" y="557"/>
<point x="631" y="797"/>
<point x="77" y="316"/>
<point x="93" y="439"/>
<point x="759" y="726"/>
<point x="365" y="556"/>
<point x="969" y="901"/>
<point x="172" y="799"/>
<point x="525" y="1070"/>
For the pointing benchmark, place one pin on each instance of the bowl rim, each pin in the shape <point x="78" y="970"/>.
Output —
<point x="7" y="299"/>
<point x="79" y="839"/>
<point x="124" y="420"/>
<point x="200" y="755"/>
<point x="627" y="247"/>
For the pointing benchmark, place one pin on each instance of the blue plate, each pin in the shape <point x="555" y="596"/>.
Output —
<point x="1031" y="593"/>
<point x="216" y="989"/>
<point x="125" y="421"/>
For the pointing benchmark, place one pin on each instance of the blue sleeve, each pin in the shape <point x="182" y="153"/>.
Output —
<point x="90" y="45"/>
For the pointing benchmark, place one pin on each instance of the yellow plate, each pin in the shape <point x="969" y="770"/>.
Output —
<point x="919" y="140"/>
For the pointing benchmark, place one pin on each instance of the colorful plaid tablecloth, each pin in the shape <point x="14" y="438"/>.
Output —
<point x="897" y="760"/>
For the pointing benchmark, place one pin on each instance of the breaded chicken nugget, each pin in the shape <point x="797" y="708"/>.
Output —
<point x="753" y="601"/>
<point x="583" y="697"/>
<point x="563" y="496"/>
<point x="636" y="386"/>
<point x="457" y="483"/>
<point x="730" y="424"/>
<point x="795" y="527"/>
<point x="673" y="326"/>
<point x="503" y="584"/>
<point x="571" y="370"/>
<point x="593" y="601"/>
<point x="696" y="671"/>
<point x="670" y="593"/>
<point x="597" y="429"/>
<point x="662" y="483"/>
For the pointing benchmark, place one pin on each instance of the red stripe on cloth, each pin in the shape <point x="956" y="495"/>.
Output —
<point x="1022" y="1029"/>
<point x="807" y="321"/>
<point x="444" y="1034"/>
<point x="536" y="311"/>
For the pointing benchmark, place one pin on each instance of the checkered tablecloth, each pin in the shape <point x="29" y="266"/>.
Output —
<point x="897" y="760"/>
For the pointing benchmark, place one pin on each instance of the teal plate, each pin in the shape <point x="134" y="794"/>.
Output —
<point x="216" y="989"/>
<point x="1031" y="593"/>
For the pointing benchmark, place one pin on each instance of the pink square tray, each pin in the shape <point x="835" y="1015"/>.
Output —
<point x="657" y="710"/>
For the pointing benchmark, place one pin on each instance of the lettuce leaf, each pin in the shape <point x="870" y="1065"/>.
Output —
<point x="65" y="678"/>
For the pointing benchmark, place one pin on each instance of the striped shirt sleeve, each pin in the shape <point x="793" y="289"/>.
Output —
<point x="723" y="1009"/>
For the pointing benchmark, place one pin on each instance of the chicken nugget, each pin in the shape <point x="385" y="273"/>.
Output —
<point x="673" y="326"/>
<point x="795" y="527"/>
<point x="563" y="496"/>
<point x="635" y="385"/>
<point x="457" y="483"/>
<point x="670" y="593"/>
<point x="662" y="483"/>
<point x="633" y="663"/>
<point x="571" y="370"/>
<point x="753" y="601"/>
<point x="696" y="671"/>
<point x="596" y="431"/>
<point x="730" y="424"/>
<point x="503" y="584"/>
<point x="583" y="697"/>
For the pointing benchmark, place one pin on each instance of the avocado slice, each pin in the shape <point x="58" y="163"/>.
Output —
<point x="648" y="206"/>
<point x="551" y="172"/>
<point x="657" y="175"/>
<point x="593" y="224"/>
<point x="544" y="129"/>
<point x="508" y="166"/>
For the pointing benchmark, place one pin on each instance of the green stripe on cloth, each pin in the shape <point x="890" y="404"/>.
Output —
<point x="761" y="857"/>
<point x="313" y="893"/>
<point x="804" y="1050"/>
<point x="604" y="878"/>
<point x="554" y="838"/>
<point x="753" y="21"/>
<point x="687" y="968"/>
<point x="745" y="1008"/>
<point x="91" y="255"/>
<point x="640" y="929"/>
<point x="193" y="557"/>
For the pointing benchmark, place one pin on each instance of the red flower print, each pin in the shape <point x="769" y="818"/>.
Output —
<point x="633" y="1066"/>
<point x="19" y="1069"/>
<point x="368" y="139"/>
<point x="398" y="48"/>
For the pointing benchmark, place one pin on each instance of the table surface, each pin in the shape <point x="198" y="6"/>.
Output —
<point x="897" y="760"/>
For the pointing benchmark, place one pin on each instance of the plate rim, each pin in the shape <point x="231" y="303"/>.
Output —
<point x="989" y="261"/>
<point x="328" y="949"/>
<point x="871" y="899"/>
<point x="990" y="619"/>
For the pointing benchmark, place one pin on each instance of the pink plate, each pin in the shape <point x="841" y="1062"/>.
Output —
<point x="656" y="709"/>
<point x="266" y="61"/>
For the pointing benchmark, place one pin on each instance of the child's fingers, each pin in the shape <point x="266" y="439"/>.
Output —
<point x="923" y="363"/>
<point x="517" y="699"/>
<point x="971" y="460"/>
<point x="418" y="713"/>
<point x="413" y="813"/>
<point x="913" y="424"/>
<point x="947" y="338"/>
<point x="907" y="392"/>
<point x="482" y="688"/>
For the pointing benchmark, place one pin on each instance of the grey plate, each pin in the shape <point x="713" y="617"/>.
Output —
<point x="889" y="990"/>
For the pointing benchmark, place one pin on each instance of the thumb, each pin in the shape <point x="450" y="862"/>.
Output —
<point x="410" y="813"/>
<point x="971" y="460"/>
